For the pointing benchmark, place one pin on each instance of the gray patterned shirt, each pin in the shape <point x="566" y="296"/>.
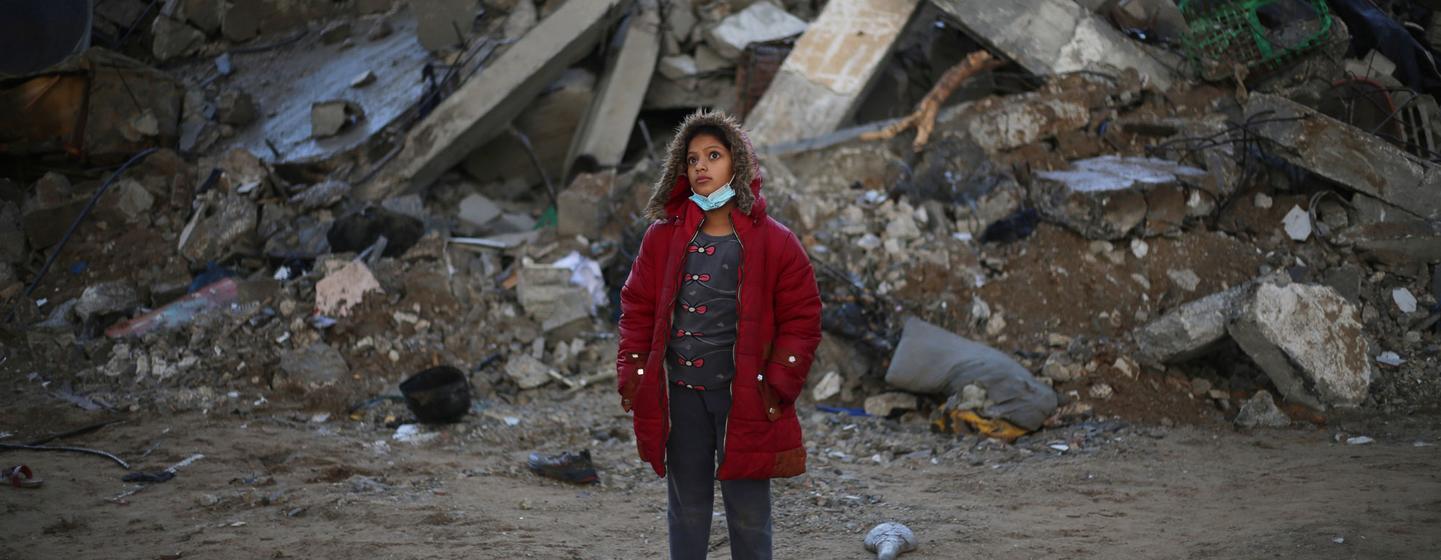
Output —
<point x="703" y="334"/>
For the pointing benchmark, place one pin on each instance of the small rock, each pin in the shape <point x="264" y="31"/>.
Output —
<point x="869" y="242"/>
<point x="903" y="227"/>
<point x="236" y="108"/>
<point x="477" y="210"/>
<point x="885" y="405"/>
<point x="1140" y="248"/>
<point x="328" y="118"/>
<point x="1260" y="411"/>
<point x="1200" y="386"/>
<point x="1390" y="359"/>
<point x="318" y="364"/>
<point x="1405" y="301"/>
<point x="106" y="299"/>
<point x="174" y="39"/>
<point x="323" y="195"/>
<point x="527" y="371"/>
<point x="829" y="386"/>
<point x="1298" y="224"/>
<point x="1359" y="440"/>
<point x="1185" y="279"/>
<point x="1101" y="247"/>
<point x="1058" y="340"/>
<point x="364" y="79"/>
<point x="1263" y="201"/>
<point x="1127" y="367"/>
<point x="1058" y="367"/>
<point x="1102" y="391"/>
<point x="678" y="67"/>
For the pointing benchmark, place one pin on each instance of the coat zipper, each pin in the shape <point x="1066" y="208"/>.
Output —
<point x="735" y="370"/>
<point x="665" y="349"/>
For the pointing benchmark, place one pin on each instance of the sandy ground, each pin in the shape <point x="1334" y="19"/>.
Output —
<point x="275" y="483"/>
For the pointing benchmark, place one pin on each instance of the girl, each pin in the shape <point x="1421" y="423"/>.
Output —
<point x="720" y="319"/>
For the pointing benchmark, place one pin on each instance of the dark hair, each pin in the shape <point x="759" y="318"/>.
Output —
<point x="710" y="129"/>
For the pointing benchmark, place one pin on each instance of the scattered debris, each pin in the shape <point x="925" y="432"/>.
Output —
<point x="1260" y="411"/>
<point x="345" y="288"/>
<point x="1310" y="342"/>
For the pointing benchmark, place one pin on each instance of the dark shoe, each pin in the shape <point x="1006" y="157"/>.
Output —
<point x="568" y="467"/>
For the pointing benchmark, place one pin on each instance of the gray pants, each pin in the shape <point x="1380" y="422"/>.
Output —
<point x="697" y="420"/>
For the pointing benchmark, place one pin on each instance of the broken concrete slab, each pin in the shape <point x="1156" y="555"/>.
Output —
<point x="1309" y="340"/>
<point x="317" y="364"/>
<point x="1396" y="243"/>
<point x="479" y="110"/>
<point x="823" y="80"/>
<point x="1049" y="37"/>
<point x="1003" y="125"/>
<point x="606" y="129"/>
<point x="1194" y="329"/>
<point x="343" y="289"/>
<point x="323" y="195"/>
<point x="1107" y="198"/>
<point x="1347" y="155"/>
<point x="546" y="292"/>
<point x="549" y="123"/>
<point x="760" y="23"/>
<point x="714" y="92"/>
<point x="582" y="209"/>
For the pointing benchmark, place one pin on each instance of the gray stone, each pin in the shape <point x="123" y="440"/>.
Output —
<point x="1405" y="300"/>
<point x="1309" y="340"/>
<point x="1260" y="411"/>
<point x="527" y="371"/>
<point x="12" y="236"/>
<point x="759" y="23"/>
<point x="323" y="195"/>
<point x="825" y="77"/>
<point x="477" y="211"/>
<point x="1107" y="197"/>
<point x="1048" y="37"/>
<point x="886" y="405"/>
<point x="126" y="202"/>
<point x="317" y="364"/>
<point x="174" y="39"/>
<point x="583" y="208"/>
<point x="235" y="108"/>
<point x="240" y="21"/>
<point x="108" y="298"/>
<point x="442" y="24"/>
<point x="1348" y="155"/>
<point x="607" y="126"/>
<point x="480" y="109"/>
<point x="545" y="292"/>
<point x="678" y="67"/>
<point x="407" y="205"/>
<point x="328" y="118"/>
<point x="1185" y="279"/>
<point x="1193" y="329"/>
<point x="1396" y="243"/>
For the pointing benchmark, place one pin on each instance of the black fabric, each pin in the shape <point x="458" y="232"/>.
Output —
<point x="698" y="420"/>
<point x="1371" y="29"/>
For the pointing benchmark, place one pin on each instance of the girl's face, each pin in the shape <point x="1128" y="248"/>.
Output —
<point x="707" y="164"/>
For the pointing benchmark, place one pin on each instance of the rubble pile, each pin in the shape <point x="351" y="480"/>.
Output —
<point x="346" y="193"/>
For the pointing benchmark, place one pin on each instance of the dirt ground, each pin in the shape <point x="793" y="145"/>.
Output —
<point x="278" y="482"/>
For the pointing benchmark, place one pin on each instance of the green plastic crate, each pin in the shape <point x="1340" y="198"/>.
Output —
<point x="1219" y="37"/>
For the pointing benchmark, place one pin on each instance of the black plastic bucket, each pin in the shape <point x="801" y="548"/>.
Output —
<point x="439" y="395"/>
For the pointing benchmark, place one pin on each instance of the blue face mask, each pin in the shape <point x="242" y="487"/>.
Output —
<point x="716" y="199"/>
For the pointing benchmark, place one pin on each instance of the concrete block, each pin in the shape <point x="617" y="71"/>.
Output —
<point x="678" y="67"/>
<point x="1260" y="411"/>
<point x="317" y="364"/>
<point x="822" y="81"/>
<point x="1191" y="330"/>
<point x="759" y="23"/>
<point x="1309" y="340"/>
<point x="1049" y="37"/>
<point x="107" y="298"/>
<point x="1396" y="243"/>
<point x="1107" y="197"/>
<point x="886" y="405"/>
<point x="527" y="372"/>
<point x="1348" y="155"/>
<point x="480" y="109"/>
<point x="545" y="292"/>
<point x="476" y="211"/>
<point x="174" y="39"/>
<point x="220" y="229"/>
<point x="607" y="126"/>
<point x="549" y="123"/>
<point x="584" y="208"/>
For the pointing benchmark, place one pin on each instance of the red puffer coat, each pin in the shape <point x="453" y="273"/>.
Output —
<point x="777" y="330"/>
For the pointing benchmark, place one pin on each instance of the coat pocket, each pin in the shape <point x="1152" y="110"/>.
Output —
<point x="631" y="371"/>
<point x="769" y="398"/>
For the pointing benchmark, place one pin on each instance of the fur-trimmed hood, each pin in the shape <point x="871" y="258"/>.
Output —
<point x="670" y="194"/>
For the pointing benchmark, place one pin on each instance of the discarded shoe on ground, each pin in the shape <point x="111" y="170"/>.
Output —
<point x="568" y="467"/>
